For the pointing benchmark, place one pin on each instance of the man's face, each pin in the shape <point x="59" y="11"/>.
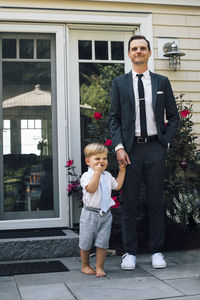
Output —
<point x="138" y="52"/>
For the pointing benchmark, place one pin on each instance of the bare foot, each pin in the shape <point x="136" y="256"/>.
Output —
<point x="100" y="273"/>
<point x="88" y="270"/>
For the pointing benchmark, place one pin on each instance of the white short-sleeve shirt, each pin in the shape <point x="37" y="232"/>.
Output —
<point x="94" y="199"/>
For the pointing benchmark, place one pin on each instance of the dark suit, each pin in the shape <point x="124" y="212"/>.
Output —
<point x="147" y="160"/>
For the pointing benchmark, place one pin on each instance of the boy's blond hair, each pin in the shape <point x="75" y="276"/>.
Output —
<point x="94" y="148"/>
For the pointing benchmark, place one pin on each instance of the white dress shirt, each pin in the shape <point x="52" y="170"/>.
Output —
<point x="94" y="199"/>
<point x="151" y="123"/>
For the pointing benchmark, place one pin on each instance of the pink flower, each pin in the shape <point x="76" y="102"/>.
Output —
<point x="97" y="116"/>
<point x="184" y="113"/>
<point x="108" y="142"/>
<point x="183" y="165"/>
<point x="70" y="187"/>
<point x="117" y="204"/>
<point x="69" y="163"/>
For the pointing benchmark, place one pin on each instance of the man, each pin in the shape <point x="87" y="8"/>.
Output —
<point x="139" y="106"/>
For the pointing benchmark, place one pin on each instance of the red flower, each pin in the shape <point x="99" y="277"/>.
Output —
<point x="70" y="187"/>
<point x="108" y="142"/>
<point x="184" y="113"/>
<point x="117" y="204"/>
<point x="165" y="123"/>
<point x="97" y="116"/>
<point x="69" y="163"/>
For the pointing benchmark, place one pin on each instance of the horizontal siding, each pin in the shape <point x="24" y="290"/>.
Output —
<point x="180" y="75"/>
<point x="177" y="31"/>
<point x="186" y="65"/>
<point x="176" y="20"/>
<point x="186" y="27"/>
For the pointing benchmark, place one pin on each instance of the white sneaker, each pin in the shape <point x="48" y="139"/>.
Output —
<point x="128" y="262"/>
<point x="158" y="261"/>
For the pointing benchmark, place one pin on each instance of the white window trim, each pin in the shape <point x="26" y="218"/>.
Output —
<point x="142" y="20"/>
<point x="63" y="219"/>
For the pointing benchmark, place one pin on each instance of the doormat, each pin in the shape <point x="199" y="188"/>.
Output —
<point x="32" y="268"/>
<point x="31" y="233"/>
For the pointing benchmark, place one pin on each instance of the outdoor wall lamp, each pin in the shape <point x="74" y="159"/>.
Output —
<point x="171" y="51"/>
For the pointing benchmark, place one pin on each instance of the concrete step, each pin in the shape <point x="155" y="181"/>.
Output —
<point x="39" y="247"/>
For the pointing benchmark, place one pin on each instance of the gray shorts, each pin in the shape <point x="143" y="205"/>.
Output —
<point x="94" y="229"/>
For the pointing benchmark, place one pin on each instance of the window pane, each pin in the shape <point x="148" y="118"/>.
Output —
<point x="117" y="50"/>
<point x="26" y="48"/>
<point x="101" y="50"/>
<point x="85" y="49"/>
<point x="9" y="48"/>
<point x="43" y="49"/>
<point x="24" y="123"/>
<point x="30" y="124"/>
<point x="37" y="123"/>
<point x="28" y="169"/>
<point x="95" y="83"/>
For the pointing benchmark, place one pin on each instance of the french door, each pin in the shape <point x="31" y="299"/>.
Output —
<point x="91" y="51"/>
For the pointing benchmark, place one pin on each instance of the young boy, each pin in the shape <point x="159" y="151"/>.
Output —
<point x="96" y="218"/>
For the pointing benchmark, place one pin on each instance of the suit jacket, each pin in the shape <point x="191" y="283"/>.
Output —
<point x="122" y="111"/>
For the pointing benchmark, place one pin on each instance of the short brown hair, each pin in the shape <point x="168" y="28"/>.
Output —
<point x="94" y="148"/>
<point x="138" y="37"/>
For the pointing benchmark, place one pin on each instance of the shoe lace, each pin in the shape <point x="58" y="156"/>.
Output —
<point x="126" y="254"/>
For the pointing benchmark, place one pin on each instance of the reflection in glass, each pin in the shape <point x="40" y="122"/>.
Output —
<point x="25" y="48"/>
<point x="95" y="83"/>
<point x="43" y="49"/>
<point x="9" y="48"/>
<point x="27" y="114"/>
<point x="85" y="49"/>
<point x="6" y="136"/>
<point x="101" y="50"/>
<point x="117" y="50"/>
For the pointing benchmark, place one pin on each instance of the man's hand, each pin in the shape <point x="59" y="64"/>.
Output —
<point x="122" y="157"/>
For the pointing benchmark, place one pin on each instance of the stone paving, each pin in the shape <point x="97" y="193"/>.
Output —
<point x="179" y="281"/>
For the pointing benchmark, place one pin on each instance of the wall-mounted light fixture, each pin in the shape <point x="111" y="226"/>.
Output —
<point x="171" y="51"/>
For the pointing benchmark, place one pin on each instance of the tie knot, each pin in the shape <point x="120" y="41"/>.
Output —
<point x="140" y="75"/>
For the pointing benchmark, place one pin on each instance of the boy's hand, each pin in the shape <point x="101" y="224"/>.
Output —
<point x="99" y="168"/>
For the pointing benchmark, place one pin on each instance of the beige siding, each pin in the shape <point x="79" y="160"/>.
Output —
<point x="186" y="27"/>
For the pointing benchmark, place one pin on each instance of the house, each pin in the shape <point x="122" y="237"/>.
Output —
<point x="46" y="47"/>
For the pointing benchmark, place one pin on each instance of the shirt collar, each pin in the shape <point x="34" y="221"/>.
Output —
<point x="146" y="74"/>
<point x="90" y="171"/>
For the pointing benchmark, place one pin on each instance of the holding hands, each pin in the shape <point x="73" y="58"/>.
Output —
<point x="122" y="157"/>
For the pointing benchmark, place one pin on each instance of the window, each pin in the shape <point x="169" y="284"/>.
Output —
<point x="99" y="58"/>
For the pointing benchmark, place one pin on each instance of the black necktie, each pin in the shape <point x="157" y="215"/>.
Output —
<point x="143" y="123"/>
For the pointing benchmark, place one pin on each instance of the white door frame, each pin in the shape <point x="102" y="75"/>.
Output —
<point x="63" y="219"/>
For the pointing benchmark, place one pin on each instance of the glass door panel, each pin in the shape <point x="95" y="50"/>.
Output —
<point x="101" y="58"/>
<point x="29" y="187"/>
<point x="95" y="58"/>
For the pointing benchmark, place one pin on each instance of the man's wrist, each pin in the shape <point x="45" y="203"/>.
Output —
<point x="118" y="147"/>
